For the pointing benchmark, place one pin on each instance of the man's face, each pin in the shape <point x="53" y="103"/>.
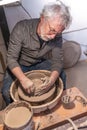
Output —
<point x="50" y="28"/>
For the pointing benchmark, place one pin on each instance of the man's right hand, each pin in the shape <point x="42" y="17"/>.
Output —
<point x="28" y="86"/>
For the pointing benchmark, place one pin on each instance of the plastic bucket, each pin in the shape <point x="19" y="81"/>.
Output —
<point x="18" y="116"/>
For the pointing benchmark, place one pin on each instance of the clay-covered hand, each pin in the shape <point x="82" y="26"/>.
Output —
<point x="28" y="86"/>
<point x="45" y="87"/>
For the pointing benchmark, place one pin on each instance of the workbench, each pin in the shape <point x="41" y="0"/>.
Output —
<point x="58" y="116"/>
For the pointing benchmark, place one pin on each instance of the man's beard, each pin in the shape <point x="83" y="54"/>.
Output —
<point x="44" y="37"/>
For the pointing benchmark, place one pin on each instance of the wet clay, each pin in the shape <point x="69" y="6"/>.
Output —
<point x="36" y="79"/>
<point x="17" y="117"/>
<point x="36" y="99"/>
<point x="38" y="103"/>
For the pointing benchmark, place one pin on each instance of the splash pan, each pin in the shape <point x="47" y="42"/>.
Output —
<point x="36" y="79"/>
<point x="40" y="106"/>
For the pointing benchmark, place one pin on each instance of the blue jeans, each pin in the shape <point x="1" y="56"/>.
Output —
<point x="9" y="78"/>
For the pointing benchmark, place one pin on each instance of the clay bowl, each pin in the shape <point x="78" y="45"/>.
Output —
<point x="41" y="106"/>
<point x="67" y="101"/>
<point x="36" y="78"/>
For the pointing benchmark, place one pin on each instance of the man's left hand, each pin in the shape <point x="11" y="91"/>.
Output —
<point x="45" y="87"/>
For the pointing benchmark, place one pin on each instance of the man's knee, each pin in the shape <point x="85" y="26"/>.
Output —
<point x="7" y="81"/>
<point x="63" y="77"/>
<point x="6" y="96"/>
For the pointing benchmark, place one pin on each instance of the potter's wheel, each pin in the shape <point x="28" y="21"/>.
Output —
<point x="39" y="106"/>
<point x="36" y="79"/>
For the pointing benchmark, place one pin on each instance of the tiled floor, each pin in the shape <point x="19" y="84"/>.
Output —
<point x="77" y="77"/>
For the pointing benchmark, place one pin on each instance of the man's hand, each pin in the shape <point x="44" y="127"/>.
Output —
<point x="28" y="86"/>
<point x="45" y="87"/>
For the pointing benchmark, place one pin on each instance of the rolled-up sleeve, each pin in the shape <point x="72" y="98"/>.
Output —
<point x="15" y="44"/>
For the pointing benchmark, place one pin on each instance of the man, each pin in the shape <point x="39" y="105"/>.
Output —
<point x="30" y="42"/>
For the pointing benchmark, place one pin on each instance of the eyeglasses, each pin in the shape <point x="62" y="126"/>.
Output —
<point x="52" y="31"/>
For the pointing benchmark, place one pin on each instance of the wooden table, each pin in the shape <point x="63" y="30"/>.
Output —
<point x="58" y="115"/>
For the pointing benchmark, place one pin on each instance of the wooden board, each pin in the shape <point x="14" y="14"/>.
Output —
<point x="57" y="116"/>
<point x="1" y="127"/>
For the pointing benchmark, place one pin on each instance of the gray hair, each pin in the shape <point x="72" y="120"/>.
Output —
<point x="57" y="9"/>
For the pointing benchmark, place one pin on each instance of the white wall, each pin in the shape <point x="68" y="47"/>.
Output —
<point x="13" y="15"/>
<point x="78" y="9"/>
<point x="35" y="7"/>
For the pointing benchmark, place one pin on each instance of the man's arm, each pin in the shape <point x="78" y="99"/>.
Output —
<point x="26" y="83"/>
<point x="14" y="49"/>
<point x="56" y="67"/>
<point x="54" y="76"/>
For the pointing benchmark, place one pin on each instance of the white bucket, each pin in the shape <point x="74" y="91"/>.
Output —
<point x="18" y="116"/>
